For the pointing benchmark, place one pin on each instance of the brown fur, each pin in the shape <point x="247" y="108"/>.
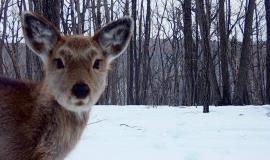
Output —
<point x="45" y="120"/>
<point x="33" y="125"/>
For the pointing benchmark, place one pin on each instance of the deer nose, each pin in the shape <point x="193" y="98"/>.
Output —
<point x="80" y="90"/>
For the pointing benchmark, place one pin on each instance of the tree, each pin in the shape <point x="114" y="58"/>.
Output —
<point x="172" y="59"/>
<point x="208" y="63"/>
<point x="226" y="98"/>
<point x="98" y="20"/>
<point x="188" y="43"/>
<point x="135" y="53"/>
<point x="130" y="60"/>
<point x="49" y="9"/>
<point x="267" y="9"/>
<point x="241" y="94"/>
<point x="146" y="52"/>
<point x="4" y="9"/>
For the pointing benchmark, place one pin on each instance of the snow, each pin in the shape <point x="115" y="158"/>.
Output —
<point x="175" y="133"/>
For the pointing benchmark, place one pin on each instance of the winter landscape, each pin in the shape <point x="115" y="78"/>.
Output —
<point x="175" y="133"/>
<point x="184" y="79"/>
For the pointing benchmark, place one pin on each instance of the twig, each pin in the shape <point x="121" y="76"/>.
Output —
<point x="97" y="121"/>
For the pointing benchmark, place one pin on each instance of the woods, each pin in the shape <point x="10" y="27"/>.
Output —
<point x="183" y="52"/>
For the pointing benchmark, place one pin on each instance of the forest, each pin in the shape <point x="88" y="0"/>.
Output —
<point x="183" y="52"/>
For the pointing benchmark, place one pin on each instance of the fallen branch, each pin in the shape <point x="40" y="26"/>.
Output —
<point x="96" y="121"/>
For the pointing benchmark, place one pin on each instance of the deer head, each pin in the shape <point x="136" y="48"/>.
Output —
<point x="76" y="66"/>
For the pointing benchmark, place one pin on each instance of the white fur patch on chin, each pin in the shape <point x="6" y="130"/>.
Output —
<point x="75" y="100"/>
<point x="70" y="104"/>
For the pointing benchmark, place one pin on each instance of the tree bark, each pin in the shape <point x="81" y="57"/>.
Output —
<point x="258" y="70"/>
<point x="98" y="20"/>
<point x="210" y="68"/>
<point x="5" y="18"/>
<point x="267" y="9"/>
<point x="145" y="64"/>
<point x="188" y="42"/>
<point x="226" y="98"/>
<point x="241" y="94"/>
<point x="130" y="60"/>
<point x="106" y="9"/>
<point x="135" y="54"/>
<point x="138" y="75"/>
<point x="49" y="9"/>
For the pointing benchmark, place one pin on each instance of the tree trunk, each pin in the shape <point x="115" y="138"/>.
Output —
<point x="130" y="77"/>
<point x="241" y="93"/>
<point x="49" y="9"/>
<point x="80" y="25"/>
<point x="205" y="33"/>
<point x="72" y="15"/>
<point x="98" y="20"/>
<point x="258" y="70"/>
<point x="146" y="44"/>
<point x="188" y="42"/>
<point x="5" y="18"/>
<point x="138" y="91"/>
<point x="130" y="64"/>
<point x="94" y="15"/>
<point x="106" y="9"/>
<point x="62" y="16"/>
<point x="176" y="54"/>
<point x="136" y="58"/>
<point x="226" y="99"/>
<point x="267" y="8"/>
<point x="206" y="101"/>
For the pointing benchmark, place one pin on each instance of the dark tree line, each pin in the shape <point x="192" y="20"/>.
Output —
<point x="183" y="52"/>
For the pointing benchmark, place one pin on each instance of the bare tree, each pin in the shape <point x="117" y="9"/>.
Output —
<point x="241" y="94"/>
<point x="267" y="9"/>
<point x="226" y="97"/>
<point x="130" y="65"/>
<point x="146" y="63"/>
<point x="188" y="40"/>
<point x="50" y="9"/>
<point x="4" y="9"/>
<point x="172" y="59"/>
<point x="98" y="18"/>
<point x="209" y="66"/>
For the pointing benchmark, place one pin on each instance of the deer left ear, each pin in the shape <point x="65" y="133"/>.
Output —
<point x="114" y="37"/>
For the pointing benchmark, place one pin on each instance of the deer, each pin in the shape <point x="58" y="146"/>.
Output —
<point x="45" y="120"/>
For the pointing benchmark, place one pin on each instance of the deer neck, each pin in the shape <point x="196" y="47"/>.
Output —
<point x="58" y="126"/>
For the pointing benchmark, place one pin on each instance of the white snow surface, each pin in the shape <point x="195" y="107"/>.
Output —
<point x="175" y="133"/>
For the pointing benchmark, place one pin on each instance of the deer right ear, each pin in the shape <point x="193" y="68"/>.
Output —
<point x="40" y="35"/>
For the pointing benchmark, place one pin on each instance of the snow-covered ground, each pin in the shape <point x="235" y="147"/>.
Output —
<point x="175" y="133"/>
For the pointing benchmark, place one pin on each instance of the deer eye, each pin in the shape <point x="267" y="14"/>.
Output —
<point x="97" y="64"/>
<point x="58" y="63"/>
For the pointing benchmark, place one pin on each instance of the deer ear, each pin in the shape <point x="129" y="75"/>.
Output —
<point x="40" y="35"/>
<point x="114" y="37"/>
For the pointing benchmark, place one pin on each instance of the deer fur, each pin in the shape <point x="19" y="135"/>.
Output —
<point x="44" y="120"/>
